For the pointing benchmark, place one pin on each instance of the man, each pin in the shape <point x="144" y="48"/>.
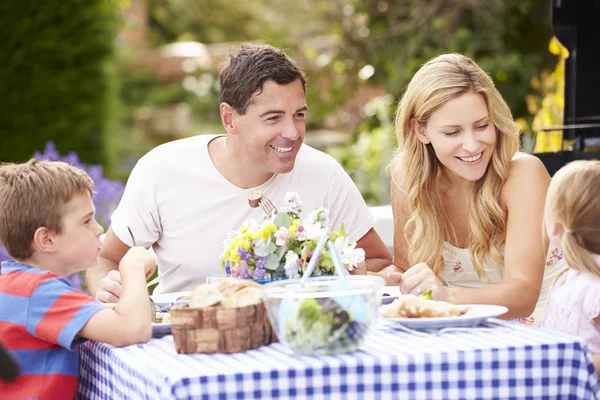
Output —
<point x="184" y="196"/>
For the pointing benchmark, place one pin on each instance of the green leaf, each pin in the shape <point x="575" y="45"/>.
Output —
<point x="426" y="295"/>
<point x="343" y="230"/>
<point x="272" y="262"/>
<point x="283" y="219"/>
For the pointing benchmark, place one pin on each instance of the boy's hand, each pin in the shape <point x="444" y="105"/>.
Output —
<point x="110" y="288"/>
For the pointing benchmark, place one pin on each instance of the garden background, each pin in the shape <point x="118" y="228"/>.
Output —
<point x="98" y="83"/>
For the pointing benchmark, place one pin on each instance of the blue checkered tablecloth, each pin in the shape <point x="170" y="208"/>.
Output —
<point x="505" y="361"/>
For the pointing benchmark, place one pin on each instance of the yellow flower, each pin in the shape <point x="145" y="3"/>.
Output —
<point x="265" y="234"/>
<point x="234" y="256"/>
<point x="270" y="227"/>
<point x="247" y="246"/>
<point x="244" y="229"/>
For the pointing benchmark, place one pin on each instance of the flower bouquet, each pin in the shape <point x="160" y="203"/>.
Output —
<point x="281" y="246"/>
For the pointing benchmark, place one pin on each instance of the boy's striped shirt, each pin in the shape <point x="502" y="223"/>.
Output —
<point x="40" y="316"/>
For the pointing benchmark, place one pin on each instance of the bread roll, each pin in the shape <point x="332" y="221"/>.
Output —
<point x="205" y="295"/>
<point x="229" y="286"/>
<point x="244" y="297"/>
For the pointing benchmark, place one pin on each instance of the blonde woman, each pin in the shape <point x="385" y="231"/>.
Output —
<point x="468" y="208"/>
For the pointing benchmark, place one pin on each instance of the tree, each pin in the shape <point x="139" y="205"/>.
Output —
<point x="56" y="66"/>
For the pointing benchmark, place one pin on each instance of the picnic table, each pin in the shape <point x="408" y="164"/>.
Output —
<point x="497" y="360"/>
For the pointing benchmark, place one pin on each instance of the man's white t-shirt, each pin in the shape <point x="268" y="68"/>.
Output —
<point x="178" y="202"/>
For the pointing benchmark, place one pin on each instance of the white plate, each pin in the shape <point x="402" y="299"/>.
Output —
<point x="166" y="300"/>
<point x="161" y="329"/>
<point x="477" y="314"/>
<point x="169" y="297"/>
<point x="393" y="291"/>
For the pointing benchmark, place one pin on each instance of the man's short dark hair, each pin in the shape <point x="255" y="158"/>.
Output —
<point x="245" y="72"/>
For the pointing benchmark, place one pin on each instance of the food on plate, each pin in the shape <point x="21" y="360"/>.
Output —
<point x="205" y="295"/>
<point x="411" y="306"/>
<point x="162" y="317"/>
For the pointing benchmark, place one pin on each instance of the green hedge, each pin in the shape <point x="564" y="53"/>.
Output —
<point x="56" y="58"/>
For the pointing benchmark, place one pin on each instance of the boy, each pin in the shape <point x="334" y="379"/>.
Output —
<point x="47" y="225"/>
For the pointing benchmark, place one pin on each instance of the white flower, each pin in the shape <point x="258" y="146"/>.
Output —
<point x="350" y="255"/>
<point x="293" y="204"/>
<point x="251" y="224"/>
<point x="292" y="266"/>
<point x="310" y="231"/>
<point x="319" y="214"/>
<point x="282" y="237"/>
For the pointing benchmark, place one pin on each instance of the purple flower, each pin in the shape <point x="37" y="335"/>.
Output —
<point x="244" y="255"/>
<point x="227" y="267"/>
<point x="107" y="193"/>
<point x="259" y="273"/>
<point x="246" y="274"/>
<point x="3" y="254"/>
<point x="260" y="262"/>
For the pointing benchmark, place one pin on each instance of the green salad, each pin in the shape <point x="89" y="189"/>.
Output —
<point x="322" y="326"/>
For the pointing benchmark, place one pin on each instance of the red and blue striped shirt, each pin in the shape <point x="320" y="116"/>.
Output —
<point x="41" y="314"/>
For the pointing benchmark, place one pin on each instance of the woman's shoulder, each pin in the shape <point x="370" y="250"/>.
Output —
<point x="526" y="173"/>
<point x="528" y="164"/>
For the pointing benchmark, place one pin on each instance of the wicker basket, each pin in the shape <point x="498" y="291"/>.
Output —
<point x="219" y="329"/>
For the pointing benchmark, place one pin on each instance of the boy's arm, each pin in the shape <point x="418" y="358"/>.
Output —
<point x="105" y="285"/>
<point x="129" y="322"/>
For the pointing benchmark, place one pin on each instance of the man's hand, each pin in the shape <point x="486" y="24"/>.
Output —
<point x="109" y="289"/>
<point x="360" y="269"/>
<point x="110" y="286"/>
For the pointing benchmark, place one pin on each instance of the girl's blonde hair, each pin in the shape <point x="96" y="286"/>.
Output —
<point x="415" y="165"/>
<point x="572" y="202"/>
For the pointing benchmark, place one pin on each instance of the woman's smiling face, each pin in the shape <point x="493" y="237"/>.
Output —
<point x="462" y="135"/>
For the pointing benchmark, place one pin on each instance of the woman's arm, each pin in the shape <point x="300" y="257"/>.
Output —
<point x="400" y="215"/>
<point x="523" y="195"/>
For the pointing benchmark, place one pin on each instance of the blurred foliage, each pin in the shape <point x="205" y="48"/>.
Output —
<point x="366" y="159"/>
<point x="547" y="103"/>
<point x="56" y="68"/>
<point x="346" y="45"/>
<point x="205" y="21"/>
<point x="387" y="41"/>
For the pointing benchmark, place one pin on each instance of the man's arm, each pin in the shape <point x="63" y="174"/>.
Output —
<point x="377" y="256"/>
<point x="111" y="254"/>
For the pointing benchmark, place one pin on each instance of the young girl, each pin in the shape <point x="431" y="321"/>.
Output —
<point x="572" y="220"/>
<point x="468" y="207"/>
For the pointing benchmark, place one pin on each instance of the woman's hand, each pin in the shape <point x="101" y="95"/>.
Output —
<point x="420" y="279"/>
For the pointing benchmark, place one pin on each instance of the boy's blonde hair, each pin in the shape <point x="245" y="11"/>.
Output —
<point x="33" y="195"/>
<point x="573" y="202"/>
<point x="415" y="165"/>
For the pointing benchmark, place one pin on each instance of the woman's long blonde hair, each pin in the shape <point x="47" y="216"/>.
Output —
<point x="415" y="166"/>
<point x="572" y="202"/>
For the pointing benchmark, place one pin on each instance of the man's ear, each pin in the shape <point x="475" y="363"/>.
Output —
<point x="227" y="113"/>
<point x="420" y="131"/>
<point x="44" y="240"/>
